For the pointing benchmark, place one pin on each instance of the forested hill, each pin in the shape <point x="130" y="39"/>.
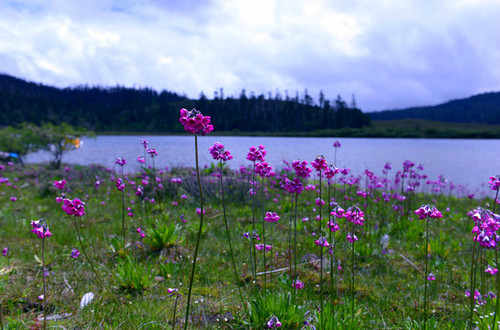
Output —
<point x="145" y="110"/>
<point x="480" y="109"/>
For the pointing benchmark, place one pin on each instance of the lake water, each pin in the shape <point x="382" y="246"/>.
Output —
<point x="468" y="163"/>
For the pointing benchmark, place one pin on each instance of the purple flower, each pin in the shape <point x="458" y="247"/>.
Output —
<point x="59" y="184"/>
<point x="141" y="159"/>
<point x="152" y="152"/>
<point x="40" y="228"/>
<point x="322" y="242"/>
<point x="336" y="144"/>
<point x="75" y="253"/>
<point x="256" y="155"/>
<point x="120" y="185"/>
<point x="431" y="277"/>
<point x="74" y="207"/>
<point x="5" y="251"/>
<point x="264" y="170"/>
<point x="218" y="152"/>
<point x="120" y="161"/>
<point x="13" y="199"/>
<point x="491" y="270"/>
<point x="298" y="284"/>
<point x="428" y="210"/>
<point x="273" y="322"/>
<point x="194" y="122"/>
<point x="271" y="217"/>
<point x="301" y="169"/>
<point x="293" y="186"/>
<point x="141" y="232"/>
<point x="494" y="182"/>
<point x="144" y="143"/>
<point x="319" y="163"/>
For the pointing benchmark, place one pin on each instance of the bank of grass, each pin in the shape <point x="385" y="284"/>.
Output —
<point x="388" y="279"/>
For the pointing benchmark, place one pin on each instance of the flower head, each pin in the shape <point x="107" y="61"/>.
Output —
<point x="256" y="154"/>
<point x="298" y="284"/>
<point x="293" y="186"/>
<point x="336" y="144"/>
<point x="428" y="210"/>
<point x="271" y="217"/>
<point x="301" y="168"/>
<point x="264" y="170"/>
<point x="40" y="228"/>
<point x="431" y="277"/>
<point x="120" y="161"/>
<point x="319" y="163"/>
<point x="321" y="241"/>
<point x="74" y="207"/>
<point x="194" y="122"/>
<point x="273" y="322"/>
<point x="152" y="152"/>
<point x="75" y="253"/>
<point x="218" y="152"/>
<point x="5" y="251"/>
<point x="59" y="184"/>
<point x="494" y="182"/>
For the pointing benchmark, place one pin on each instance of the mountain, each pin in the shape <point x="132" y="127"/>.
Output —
<point x="480" y="109"/>
<point x="121" y="109"/>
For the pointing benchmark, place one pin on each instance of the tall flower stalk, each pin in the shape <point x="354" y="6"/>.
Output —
<point x="425" y="212"/>
<point x="41" y="229"/>
<point x="76" y="208"/>
<point x="120" y="185"/>
<point x="194" y="122"/>
<point x="219" y="153"/>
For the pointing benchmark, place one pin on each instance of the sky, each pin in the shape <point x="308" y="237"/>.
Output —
<point x="389" y="54"/>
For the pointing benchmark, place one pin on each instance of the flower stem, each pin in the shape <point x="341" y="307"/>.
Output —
<point x="253" y="260"/>
<point x="229" y="241"/>
<point x="498" y="291"/>
<point x="99" y="277"/>
<point x="44" y="288"/>
<point x="191" y="280"/>
<point x="264" y="235"/>
<point x="426" y="270"/>
<point x="175" y="310"/>
<point x="320" y="255"/>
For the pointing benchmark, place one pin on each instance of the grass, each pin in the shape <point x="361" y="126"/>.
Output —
<point x="389" y="283"/>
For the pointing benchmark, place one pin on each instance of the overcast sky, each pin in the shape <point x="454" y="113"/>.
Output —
<point x="389" y="53"/>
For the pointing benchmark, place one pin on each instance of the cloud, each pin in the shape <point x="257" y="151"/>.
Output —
<point x="389" y="53"/>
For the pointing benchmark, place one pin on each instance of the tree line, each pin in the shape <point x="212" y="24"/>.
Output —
<point x="146" y="110"/>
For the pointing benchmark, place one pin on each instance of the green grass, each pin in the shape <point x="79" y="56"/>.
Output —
<point x="388" y="287"/>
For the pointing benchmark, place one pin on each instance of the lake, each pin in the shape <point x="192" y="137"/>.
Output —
<point x="467" y="163"/>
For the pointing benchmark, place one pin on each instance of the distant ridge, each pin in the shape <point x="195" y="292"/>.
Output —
<point x="481" y="109"/>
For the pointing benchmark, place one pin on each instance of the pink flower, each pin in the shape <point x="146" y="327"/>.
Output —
<point x="13" y="199"/>
<point x="428" y="210"/>
<point x="319" y="163"/>
<point x="152" y="152"/>
<point x="271" y="217"/>
<point x="219" y="153"/>
<point x="431" y="277"/>
<point x="256" y="155"/>
<point x="301" y="169"/>
<point x="336" y="144"/>
<point x="141" y="159"/>
<point x="141" y="232"/>
<point x="120" y="161"/>
<point x="293" y="186"/>
<point x="491" y="270"/>
<point x="59" y="200"/>
<point x="5" y="251"/>
<point x="322" y="242"/>
<point x="352" y="238"/>
<point x="298" y="284"/>
<point x="144" y="143"/>
<point x="194" y="122"/>
<point x="59" y="184"/>
<point x="74" y="207"/>
<point x="264" y="170"/>
<point x="198" y="210"/>
<point x="40" y="228"/>
<point x="75" y="253"/>
<point x="494" y="182"/>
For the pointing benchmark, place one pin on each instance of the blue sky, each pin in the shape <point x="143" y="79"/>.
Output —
<point x="389" y="53"/>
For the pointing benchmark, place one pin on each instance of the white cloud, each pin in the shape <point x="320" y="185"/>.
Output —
<point x="390" y="53"/>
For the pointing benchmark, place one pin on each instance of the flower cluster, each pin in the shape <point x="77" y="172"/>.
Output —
<point x="40" y="228"/>
<point x="301" y="168"/>
<point x="120" y="161"/>
<point x="264" y="170"/>
<point x="152" y="152"/>
<point x="319" y="163"/>
<point x="256" y="154"/>
<point x="75" y="253"/>
<point x="74" y="207"/>
<point x="273" y="322"/>
<point x="428" y="210"/>
<point x="218" y="152"/>
<point x="293" y="186"/>
<point x="120" y="185"/>
<point x="60" y="184"/>
<point x="298" y="284"/>
<point x="271" y="217"/>
<point x="331" y="171"/>
<point x="322" y="242"/>
<point x="486" y="226"/>
<point x="336" y="144"/>
<point x="194" y="122"/>
<point x="351" y="238"/>
<point x="494" y="182"/>
<point x="354" y="214"/>
<point x="141" y="232"/>
<point x="260" y="247"/>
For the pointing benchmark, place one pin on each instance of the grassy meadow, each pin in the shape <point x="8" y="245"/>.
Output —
<point x="140" y="231"/>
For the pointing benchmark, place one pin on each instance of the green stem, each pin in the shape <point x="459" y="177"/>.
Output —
<point x="295" y="244"/>
<point x="473" y="283"/>
<point x="229" y="241"/>
<point x="253" y="261"/>
<point x="352" y="275"/>
<point x="498" y="291"/>
<point x="98" y="276"/>
<point x="191" y="280"/>
<point x="175" y="310"/>
<point x="320" y="255"/>
<point x="264" y="235"/>
<point x="426" y="270"/>
<point x="44" y="288"/>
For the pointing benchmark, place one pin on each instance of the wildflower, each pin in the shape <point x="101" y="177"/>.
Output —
<point x="172" y="291"/>
<point x="321" y="241"/>
<point x="194" y="122"/>
<point x="141" y="159"/>
<point x="491" y="270"/>
<point x="5" y="251"/>
<point x="354" y="214"/>
<point x="256" y="154"/>
<point x="59" y="184"/>
<point x="141" y="232"/>
<point x="486" y="226"/>
<point x="74" y="207"/>
<point x="120" y="161"/>
<point x="301" y="169"/>
<point x="336" y="144"/>
<point x="218" y="152"/>
<point x="494" y="182"/>
<point x="352" y="238"/>
<point x="13" y="199"/>
<point x="319" y="163"/>
<point x="293" y="186"/>
<point x="152" y="152"/>
<point x="331" y="171"/>
<point x="428" y="210"/>
<point x="271" y="217"/>
<point x="75" y="253"/>
<point x="333" y="225"/>
<point x="40" y="228"/>
<point x="198" y="210"/>
<point x="59" y="200"/>
<point x="120" y="185"/>
<point x="431" y="277"/>
<point x="298" y="284"/>
<point x="259" y="247"/>
<point x="264" y="169"/>
<point x="273" y="322"/>
<point x="144" y="143"/>
<point x="139" y="191"/>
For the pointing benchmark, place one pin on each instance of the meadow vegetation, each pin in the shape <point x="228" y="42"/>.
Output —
<point x="313" y="246"/>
